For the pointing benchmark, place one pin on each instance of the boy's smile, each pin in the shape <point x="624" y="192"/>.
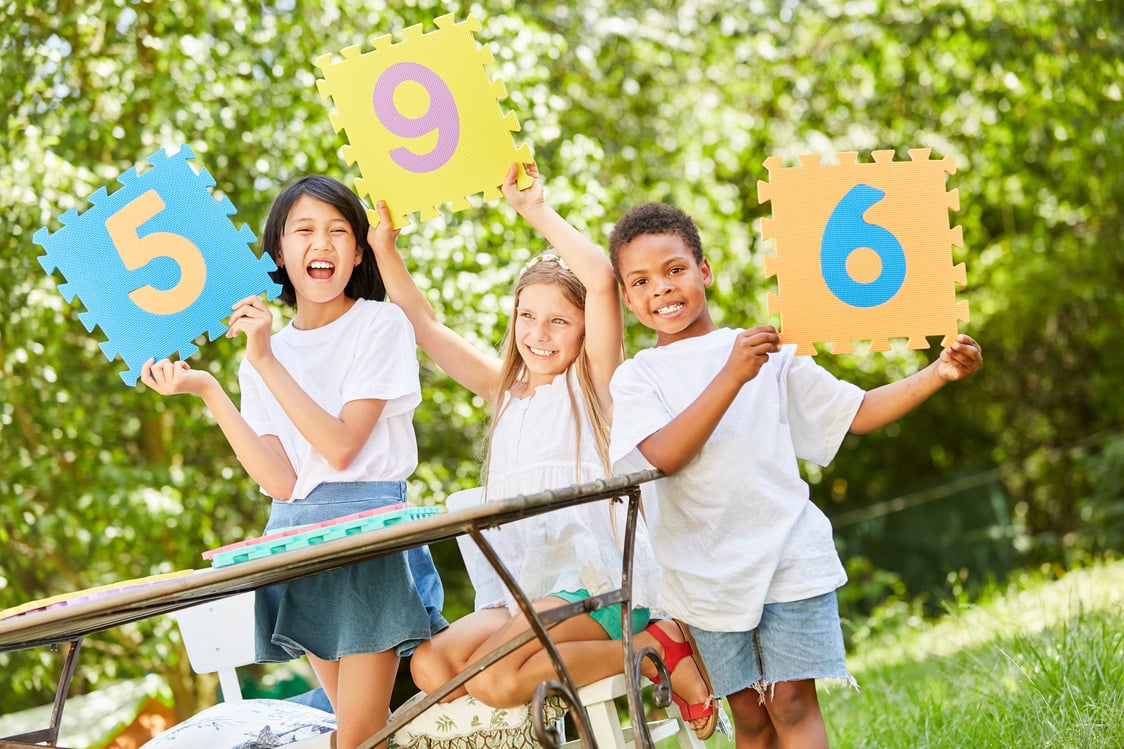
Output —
<point x="669" y="309"/>
<point x="665" y="286"/>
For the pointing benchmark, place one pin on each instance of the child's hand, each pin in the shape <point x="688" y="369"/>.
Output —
<point x="172" y="378"/>
<point x="960" y="359"/>
<point x="527" y="199"/>
<point x="253" y="318"/>
<point x="751" y="350"/>
<point x="382" y="237"/>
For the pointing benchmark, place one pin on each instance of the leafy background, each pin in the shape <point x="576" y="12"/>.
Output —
<point x="622" y="102"/>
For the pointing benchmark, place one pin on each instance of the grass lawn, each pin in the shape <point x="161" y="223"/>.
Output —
<point x="1039" y="665"/>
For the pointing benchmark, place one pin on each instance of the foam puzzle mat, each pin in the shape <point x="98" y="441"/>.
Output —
<point x="157" y="263"/>
<point x="89" y="594"/>
<point x="863" y="250"/>
<point x="423" y="119"/>
<point x="302" y="536"/>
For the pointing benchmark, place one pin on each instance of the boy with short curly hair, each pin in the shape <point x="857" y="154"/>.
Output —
<point x="749" y="561"/>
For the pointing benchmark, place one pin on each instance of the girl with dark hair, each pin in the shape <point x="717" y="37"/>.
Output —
<point x="365" y="281"/>
<point x="326" y="430"/>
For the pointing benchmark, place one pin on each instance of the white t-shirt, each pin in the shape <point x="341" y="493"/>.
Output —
<point x="534" y="448"/>
<point x="735" y="529"/>
<point x="369" y="352"/>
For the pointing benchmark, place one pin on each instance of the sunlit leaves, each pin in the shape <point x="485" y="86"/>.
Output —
<point x="621" y="103"/>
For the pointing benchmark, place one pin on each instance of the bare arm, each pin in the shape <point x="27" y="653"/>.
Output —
<point x="263" y="457"/>
<point x="338" y="438"/>
<point x="890" y="402"/>
<point x="475" y="370"/>
<point x="676" y="444"/>
<point x="603" y="323"/>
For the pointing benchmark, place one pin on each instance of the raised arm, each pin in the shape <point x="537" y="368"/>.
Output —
<point x="894" y="400"/>
<point x="475" y="370"/>
<point x="603" y="323"/>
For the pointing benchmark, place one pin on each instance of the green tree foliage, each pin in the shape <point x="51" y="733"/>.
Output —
<point x="621" y="102"/>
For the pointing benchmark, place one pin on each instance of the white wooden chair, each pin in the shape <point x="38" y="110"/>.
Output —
<point x="219" y="638"/>
<point x="598" y="698"/>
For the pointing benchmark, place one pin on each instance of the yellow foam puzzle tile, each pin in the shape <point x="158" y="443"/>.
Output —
<point x="423" y="119"/>
<point x="863" y="250"/>
<point x="86" y="594"/>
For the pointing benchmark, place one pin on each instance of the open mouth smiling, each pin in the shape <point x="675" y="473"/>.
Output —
<point x="321" y="269"/>
<point x="540" y="351"/>
<point x="668" y="309"/>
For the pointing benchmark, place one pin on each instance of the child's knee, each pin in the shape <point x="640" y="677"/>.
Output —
<point x="748" y="713"/>
<point x="429" y="667"/>
<point x="791" y="703"/>
<point x="495" y="688"/>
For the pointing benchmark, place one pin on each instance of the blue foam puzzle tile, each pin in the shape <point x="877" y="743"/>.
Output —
<point x="157" y="263"/>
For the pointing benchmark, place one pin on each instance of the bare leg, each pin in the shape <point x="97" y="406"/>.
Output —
<point x="686" y="681"/>
<point x="450" y="651"/>
<point x="591" y="660"/>
<point x="584" y="646"/>
<point x="588" y="654"/>
<point x="359" y="688"/>
<point x="795" y="711"/>
<point x="328" y="672"/>
<point x="753" y="727"/>
<point x="582" y="643"/>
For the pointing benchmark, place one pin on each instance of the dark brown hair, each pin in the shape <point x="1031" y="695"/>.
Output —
<point x="366" y="281"/>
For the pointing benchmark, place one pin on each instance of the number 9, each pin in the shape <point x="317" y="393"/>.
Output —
<point x="137" y="251"/>
<point x="441" y="115"/>
<point x="847" y="231"/>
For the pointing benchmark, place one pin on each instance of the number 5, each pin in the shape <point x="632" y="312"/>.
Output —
<point x="137" y="251"/>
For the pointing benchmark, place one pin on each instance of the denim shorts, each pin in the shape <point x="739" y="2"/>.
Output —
<point x="794" y="641"/>
<point x="608" y="617"/>
<point x="389" y="602"/>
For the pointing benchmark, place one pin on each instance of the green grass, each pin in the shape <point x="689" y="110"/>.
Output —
<point x="1040" y="664"/>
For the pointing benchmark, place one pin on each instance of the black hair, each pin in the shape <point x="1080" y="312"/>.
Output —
<point x="653" y="218"/>
<point x="366" y="281"/>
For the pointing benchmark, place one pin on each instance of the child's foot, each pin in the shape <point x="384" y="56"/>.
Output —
<point x="690" y="686"/>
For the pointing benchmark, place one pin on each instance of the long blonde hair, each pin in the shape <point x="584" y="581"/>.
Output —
<point x="548" y="268"/>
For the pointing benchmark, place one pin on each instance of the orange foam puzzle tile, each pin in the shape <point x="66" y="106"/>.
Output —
<point x="863" y="250"/>
<point x="423" y="119"/>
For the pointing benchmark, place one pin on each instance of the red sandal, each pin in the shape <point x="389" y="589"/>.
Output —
<point x="673" y="652"/>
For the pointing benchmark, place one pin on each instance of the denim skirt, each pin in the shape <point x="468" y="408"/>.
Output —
<point x="389" y="602"/>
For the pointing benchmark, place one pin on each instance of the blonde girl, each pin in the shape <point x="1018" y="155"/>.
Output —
<point x="549" y="395"/>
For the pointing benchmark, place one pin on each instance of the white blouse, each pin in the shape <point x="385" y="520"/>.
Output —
<point x="534" y="449"/>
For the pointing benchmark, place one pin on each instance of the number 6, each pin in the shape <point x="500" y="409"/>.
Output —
<point x="137" y="251"/>
<point x="847" y="231"/>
